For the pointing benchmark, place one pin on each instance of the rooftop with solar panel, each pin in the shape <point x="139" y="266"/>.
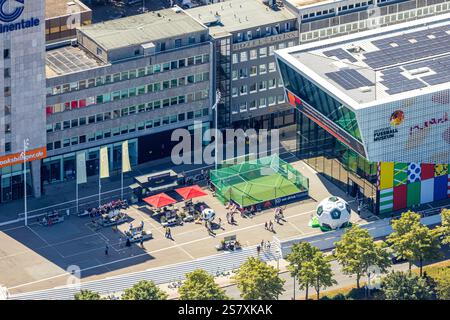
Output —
<point x="380" y="64"/>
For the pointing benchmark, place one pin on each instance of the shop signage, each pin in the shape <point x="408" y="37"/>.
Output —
<point x="265" y="41"/>
<point x="17" y="158"/>
<point x="9" y="18"/>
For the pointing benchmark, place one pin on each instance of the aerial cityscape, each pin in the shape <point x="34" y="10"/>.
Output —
<point x="225" y="150"/>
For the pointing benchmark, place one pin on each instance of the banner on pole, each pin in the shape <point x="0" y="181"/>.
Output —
<point x="126" y="167"/>
<point x="104" y="163"/>
<point x="81" y="168"/>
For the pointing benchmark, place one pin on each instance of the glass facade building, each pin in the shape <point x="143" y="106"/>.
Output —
<point x="322" y="124"/>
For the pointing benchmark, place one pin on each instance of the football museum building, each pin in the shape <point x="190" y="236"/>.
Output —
<point x="373" y="111"/>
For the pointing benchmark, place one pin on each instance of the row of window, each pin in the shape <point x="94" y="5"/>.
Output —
<point x="255" y="87"/>
<point x="259" y="33"/>
<point x="123" y="112"/>
<point x="127" y="75"/>
<point x="255" y="104"/>
<point x="382" y="20"/>
<point x="253" y="71"/>
<point x="128" y="93"/>
<point x="339" y="9"/>
<point x="144" y="125"/>
<point x="262" y="52"/>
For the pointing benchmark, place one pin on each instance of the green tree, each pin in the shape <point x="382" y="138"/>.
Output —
<point x="87" y="295"/>
<point x="301" y="253"/>
<point x="405" y="286"/>
<point x="144" y="290"/>
<point x="257" y="280"/>
<point x="199" y="285"/>
<point x="442" y="283"/>
<point x="317" y="272"/>
<point x="357" y="253"/>
<point x="445" y="217"/>
<point x="413" y="241"/>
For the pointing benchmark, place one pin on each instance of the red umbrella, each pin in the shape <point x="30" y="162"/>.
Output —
<point x="191" y="192"/>
<point x="159" y="200"/>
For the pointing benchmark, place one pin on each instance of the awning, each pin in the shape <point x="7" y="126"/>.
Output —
<point x="159" y="200"/>
<point x="191" y="192"/>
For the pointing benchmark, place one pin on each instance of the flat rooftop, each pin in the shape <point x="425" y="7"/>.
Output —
<point x="236" y="15"/>
<point x="142" y="28"/>
<point x="69" y="59"/>
<point x="391" y="63"/>
<point x="310" y="3"/>
<point x="57" y="8"/>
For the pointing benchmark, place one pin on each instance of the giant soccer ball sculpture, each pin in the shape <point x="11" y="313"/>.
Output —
<point x="333" y="213"/>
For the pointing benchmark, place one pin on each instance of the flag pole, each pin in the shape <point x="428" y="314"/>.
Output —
<point x="77" y="196"/>
<point x="121" y="184"/>
<point x="99" y="190"/>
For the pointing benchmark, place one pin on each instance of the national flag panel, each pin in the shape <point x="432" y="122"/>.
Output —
<point x="386" y="200"/>
<point x="400" y="174"/>
<point x="440" y="188"/>
<point x="400" y="201"/>
<point x="413" y="194"/>
<point x="427" y="191"/>
<point x="427" y="171"/>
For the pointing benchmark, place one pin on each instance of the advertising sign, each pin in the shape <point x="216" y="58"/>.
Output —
<point x="17" y="158"/>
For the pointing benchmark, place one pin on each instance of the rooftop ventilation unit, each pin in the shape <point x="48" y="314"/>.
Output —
<point x="148" y="48"/>
<point x="415" y="72"/>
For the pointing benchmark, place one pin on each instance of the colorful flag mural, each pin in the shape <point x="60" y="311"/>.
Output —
<point x="440" y="170"/>
<point x="427" y="171"/>
<point x="413" y="194"/>
<point x="414" y="172"/>
<point x="400" y="174"/>
<point x="404" y="185"/>
<point x="386" y="200"/>
<point x="387" y="175"/>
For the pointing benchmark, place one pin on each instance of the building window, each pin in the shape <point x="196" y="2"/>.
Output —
<point x="253" y="71"/>
<point x="6" y="54"/>
<point x="234" y="58"/>
<point x="178" y="43"/>
<point x="263" y="52"/>
<point x="253" y="54"/>
<point x="243" y="56"/>
<point x="7" y="91"/>
<point x="262" y="69"/>
<point x="8" y="147"/>
<point x="7" y="73"/>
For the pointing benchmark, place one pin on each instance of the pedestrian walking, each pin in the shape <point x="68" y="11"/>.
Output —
<point x="262" y="244"/>
<point x="359" y="209"/>
<point x="142" y="243"/>
<point x="270" y="225"/>
<point x="268" y="245"/>
<point x="266" y="225"/>
<point x="106" y="250"/>
<point x="128" y="243"/>
<point x="258" y="249"/>
<point x="120" y="242"/>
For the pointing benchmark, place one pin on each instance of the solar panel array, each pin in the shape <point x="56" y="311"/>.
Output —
<point x="438" y="73"/>
<point x="428" y="49"/>
<point x="70" y="59"/>
<point x="424" y="44"/>
<point x="349" y="79"/>
<point x="340" y="53"/>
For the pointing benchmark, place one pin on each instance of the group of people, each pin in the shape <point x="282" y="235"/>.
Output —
<point x="108" y="207"/>
<point x="168" y="234"/>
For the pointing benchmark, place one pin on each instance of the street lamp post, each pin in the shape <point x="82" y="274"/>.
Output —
<point x="26" y="143"/>
<point x="215" y="108"/>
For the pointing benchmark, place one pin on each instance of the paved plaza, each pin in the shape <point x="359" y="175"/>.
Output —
<point x="39" y="257"/>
